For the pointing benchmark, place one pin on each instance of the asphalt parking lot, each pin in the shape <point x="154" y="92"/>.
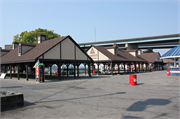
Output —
<point x="155" y="96"/>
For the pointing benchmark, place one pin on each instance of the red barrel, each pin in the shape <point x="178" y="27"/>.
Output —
<point x="132" y="80"/>
<point x="94" y="72"/>
<point x="168" y="72"/>
<point x="150" y="70"/>
<point x="56" y="72"/>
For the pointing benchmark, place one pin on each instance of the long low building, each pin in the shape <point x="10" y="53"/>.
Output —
<point x="59" y="51"/>
<point x="112" y="56"/>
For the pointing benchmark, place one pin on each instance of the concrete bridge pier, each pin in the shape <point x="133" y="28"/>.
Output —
<point x="131" y="47"/>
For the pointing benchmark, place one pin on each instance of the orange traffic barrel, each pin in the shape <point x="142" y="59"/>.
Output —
<point x="132" y="79"/>
<point x="168" y="72"/>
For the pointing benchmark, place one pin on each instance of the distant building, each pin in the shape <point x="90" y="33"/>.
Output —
<point x="154" y="60"/>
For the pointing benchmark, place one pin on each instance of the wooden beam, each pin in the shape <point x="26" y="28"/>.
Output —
<point x="26" y="72"/>
<point x="89" y="69"/>
<point x="74" y="70"/>
<point x="10" y="71"/>
<point x="18" y="71"/>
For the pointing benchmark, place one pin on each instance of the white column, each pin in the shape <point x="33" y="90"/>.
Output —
<point x="174" y="62"/>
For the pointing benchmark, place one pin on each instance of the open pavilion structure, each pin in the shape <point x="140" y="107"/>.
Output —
<point x="59" y="51"/>
<point x="111" y="56"/>
<point x="173" y="54"/>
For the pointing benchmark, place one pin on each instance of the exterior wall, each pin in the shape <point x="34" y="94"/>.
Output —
<point x="54" y="53"/>
<point x="3" y="53"/>
<point x="158" y="59"/>
<point x="40" y="57"/>
<point x="139" y="52"/>
<point x="168" y="60"/>
<point x="102" y="56"/>
<point x="93" y="53"/>
<point x="80" y="55"/>
<point x="67" y="47"/>
<point x="133" y="53"/>
<point x="39" y="40"/>
<point x="8" y="47"/>
<point x="96" y="55"/>
<point x="111" y="51"/>
<point x="67" y="52"/>
<point x="25" y="48"/>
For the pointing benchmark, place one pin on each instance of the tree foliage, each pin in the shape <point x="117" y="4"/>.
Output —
<point x="31" y="36"/>
<point x="148" y="50"/>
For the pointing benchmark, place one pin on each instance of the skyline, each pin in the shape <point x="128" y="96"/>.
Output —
<point x="112" y="20"/>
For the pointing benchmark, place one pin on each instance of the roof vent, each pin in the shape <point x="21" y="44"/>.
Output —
<point x="41" y="38"/>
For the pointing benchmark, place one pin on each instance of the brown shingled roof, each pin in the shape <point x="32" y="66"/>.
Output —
<point x="150" y="57"/>
<point x="122" y="55"/>
<point x="31" y="55"/>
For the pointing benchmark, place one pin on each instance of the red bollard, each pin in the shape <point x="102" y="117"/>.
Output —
<point x="168" y="72"/>
<point x="132" y="80"/>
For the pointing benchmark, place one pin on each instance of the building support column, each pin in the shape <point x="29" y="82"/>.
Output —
<point x="74" y="70"/>
<point x="78" y="70"/>
<point x="10" y="71"/>
<point x="112" y="67"/>
<point x="98" y="68"/>
<point x="139" y="70"/>
<point x="59" y="64"/>
<point x="124" y="68"/>
<point x="146" y="66"/>
<point x="89" y="69"/>
<point x="85" y="68"/>
<point x="174" y="62"/>
<point x="67" y="69"/>
<point x="118" y="68"/>
<point x="26" y="65"/>
<point x="130" y="67"/>
<point x="104" y="68"/>
<point x="18" y="71"/>
<point x="50" y="70"/>
<point x="135" y="66"/>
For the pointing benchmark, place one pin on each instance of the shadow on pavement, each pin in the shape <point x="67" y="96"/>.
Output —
<point x="141" y="105"/>
<point x="19" y="107"/>
<point x="12" y="87"/>
<point x="82" y="97"/>
<point x="140" y="83"/>
<point x="131" y="117"/>
<point x="72" y="78"/>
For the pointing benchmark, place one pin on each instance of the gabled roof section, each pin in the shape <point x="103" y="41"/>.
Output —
<point x="38" y="50"/>
<point x="122" y="55"/>
<point x="150" y="57"/>
<point x="30" y="56"/>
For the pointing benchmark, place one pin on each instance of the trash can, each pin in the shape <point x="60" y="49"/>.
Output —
<point x="168" y="72"/>
<point x="69" y="72"/>
<point x="150" y="70"/>
<point x="132" y="79"/>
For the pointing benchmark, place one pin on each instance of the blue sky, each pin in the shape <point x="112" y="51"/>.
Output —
<point x="115" y="19"/>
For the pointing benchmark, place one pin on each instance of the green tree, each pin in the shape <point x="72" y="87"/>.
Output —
<point x="148" y="50"/>
<point x="31" y="36"/>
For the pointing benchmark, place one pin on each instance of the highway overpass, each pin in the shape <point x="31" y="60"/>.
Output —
<point x="154" y="42"/>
